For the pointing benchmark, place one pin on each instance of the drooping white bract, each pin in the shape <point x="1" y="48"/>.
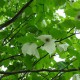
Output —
<point x="63" y="47"/>
<point x="76" y="77"/>
<point x="30" y="49"/>
<point x="49" y="45"/>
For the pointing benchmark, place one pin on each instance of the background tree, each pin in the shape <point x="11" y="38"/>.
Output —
<point x="39" y="25"/>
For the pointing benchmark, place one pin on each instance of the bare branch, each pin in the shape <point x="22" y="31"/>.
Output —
<point x="61" y="73"/>
<point x="65" y="37"/>
<point x="11" y="57"/>
<point x="16" y="15"/>
<point x="40" y="70"/>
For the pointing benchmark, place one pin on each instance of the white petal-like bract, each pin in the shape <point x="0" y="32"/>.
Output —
<point x="25" y="48"/>
<point x="49" y="47"/>
<point x="62" y="47"/>
<point x="76" y="77"/>
<point x="31" y="49"/>
<point x="45" y="38"/>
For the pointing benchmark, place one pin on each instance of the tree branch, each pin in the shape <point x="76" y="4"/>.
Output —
<point x="16" y="15"/>
<point x="39" y="59"/>
<point x="70" y="29"/>
<point x="11" y="57"/>
<point x="40" y="70"/>
<point x="61" y="73"/>
<point x="65" y="37"/>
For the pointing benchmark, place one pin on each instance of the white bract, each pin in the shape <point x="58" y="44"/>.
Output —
<point x="63" y="47"/>
<point x="77" y="34"/>
<point x="30" y="49"/>
<point x="76" y="77"/>
<point x="49" y="45"/>
<point x="73" y="0"/>
<point x="45" y="38"/>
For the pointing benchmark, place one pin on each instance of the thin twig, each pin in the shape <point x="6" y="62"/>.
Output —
<point x="18" y="28"/>
<point x="11" y="57"/>
<point x="65" y="37"/>
<point x="70" y="29"/>
<point x="40" y="59"/>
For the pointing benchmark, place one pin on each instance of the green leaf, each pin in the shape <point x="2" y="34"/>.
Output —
<point x="57" y="33"/>
<point x="11" y="77"/>
<point x="70" y="11"/>
<point x="68" y="23"/>
<point x="28" y="62"/>
<point x="77" y="24"/>
<point x="76" y="5"/>
<point x="72" y="52"/>
<point x="36" y="77"/>
<point x="59" y="2"/>
<point x="2" y="3"/>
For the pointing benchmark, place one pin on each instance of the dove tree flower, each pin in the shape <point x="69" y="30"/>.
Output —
<point x="30" y="49"/>
<point x="62" y="47"/>
<point x="49" y="43"/>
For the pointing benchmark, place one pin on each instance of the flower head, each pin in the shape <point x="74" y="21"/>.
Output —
<point x="45" y="38"/>
<point x="30" y="49"/>
<point x="49" y="45"/>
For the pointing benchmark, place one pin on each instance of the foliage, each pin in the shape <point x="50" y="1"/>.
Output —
<point x="23" y="21"/>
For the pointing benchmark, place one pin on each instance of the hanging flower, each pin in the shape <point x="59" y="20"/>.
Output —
<point x="63" y="47"/>
<point x="30" y="49"/>
<point x="49" y="45"/>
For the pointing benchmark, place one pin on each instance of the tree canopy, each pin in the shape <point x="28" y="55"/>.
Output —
<point x="33" y="33"/>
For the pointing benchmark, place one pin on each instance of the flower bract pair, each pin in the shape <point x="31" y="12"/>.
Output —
<point x="49" y="46"/>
